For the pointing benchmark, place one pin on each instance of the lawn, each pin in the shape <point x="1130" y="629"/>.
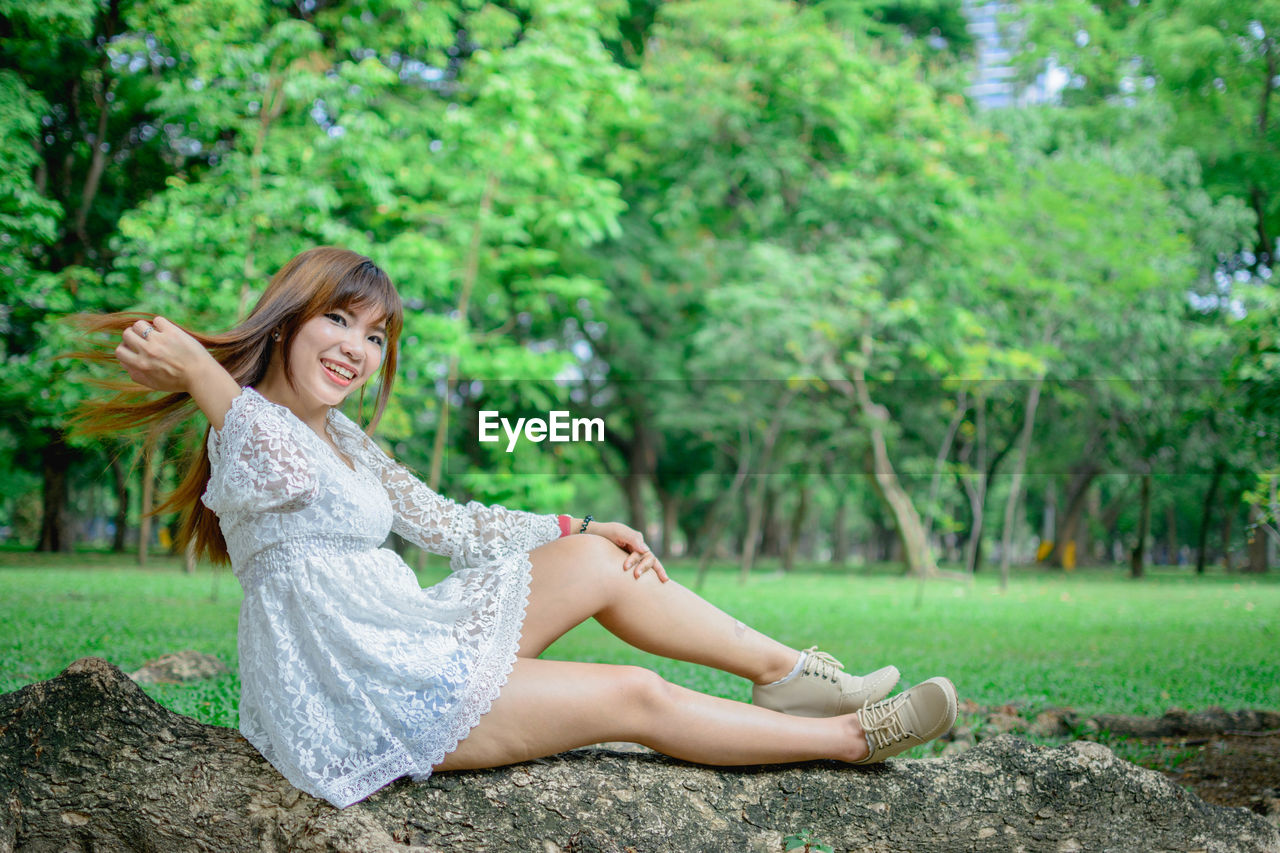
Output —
<point x="1092" y="640"/>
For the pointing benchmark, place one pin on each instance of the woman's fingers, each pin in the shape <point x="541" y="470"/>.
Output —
<point x="647" y="561"/>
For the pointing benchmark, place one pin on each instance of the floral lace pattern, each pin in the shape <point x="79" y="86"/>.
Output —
<point x="352" y="674"/>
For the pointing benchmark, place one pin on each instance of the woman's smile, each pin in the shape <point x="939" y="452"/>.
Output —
<point x="330" y="355"/>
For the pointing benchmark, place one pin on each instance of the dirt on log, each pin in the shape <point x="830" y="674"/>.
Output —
<point x="89" y="762"/>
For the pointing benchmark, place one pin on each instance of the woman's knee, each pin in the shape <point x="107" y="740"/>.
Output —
<point x="644" y="693"/>
<point x="581" y="553"/>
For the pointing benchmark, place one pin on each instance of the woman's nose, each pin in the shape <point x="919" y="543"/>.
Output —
<point x="351" y="345"/>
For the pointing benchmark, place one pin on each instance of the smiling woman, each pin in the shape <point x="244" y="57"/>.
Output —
<point x="353" y="675"/>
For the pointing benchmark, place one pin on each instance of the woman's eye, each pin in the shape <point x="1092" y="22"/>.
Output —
<point x="377" y="340"/>
<point x="337" y="318"/>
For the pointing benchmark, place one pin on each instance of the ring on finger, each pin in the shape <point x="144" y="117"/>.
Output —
<point x="146" y="330"/>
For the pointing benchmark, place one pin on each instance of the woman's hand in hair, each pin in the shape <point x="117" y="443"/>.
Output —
<point x="160" y="355"/>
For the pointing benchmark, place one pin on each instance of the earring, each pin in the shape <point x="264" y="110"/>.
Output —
<point x="275" y="336"/>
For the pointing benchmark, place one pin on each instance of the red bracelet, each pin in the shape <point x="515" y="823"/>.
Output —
<point x="565" y="522"/>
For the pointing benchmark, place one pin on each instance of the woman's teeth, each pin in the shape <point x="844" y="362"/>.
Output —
<point x="341" y="371"/>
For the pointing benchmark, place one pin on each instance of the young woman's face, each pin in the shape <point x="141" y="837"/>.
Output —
<point x="335" y="353"/>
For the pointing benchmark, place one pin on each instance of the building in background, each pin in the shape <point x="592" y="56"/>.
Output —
<point x="994" y="84"/>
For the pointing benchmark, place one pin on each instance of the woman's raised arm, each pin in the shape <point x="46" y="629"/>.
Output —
<point x="162" y="356"/>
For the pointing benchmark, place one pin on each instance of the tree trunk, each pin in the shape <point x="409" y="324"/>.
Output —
<point x="939" y="463"/>
<point x="57" y="457"/>
<point x="770" y="524"/>
<point x="1257" y="542"/>
<point x="1049" y="517"/>
<point x="915" y="546"/>
<point x="633" y="488"/>
<point x="1206" y="515"/>
<point x="1228" y="516"/>
<point x="1138" y="556"/>
<point x="670" y="523"/>
<point x="840" y="531"/>
<point x="797" y="528"/>
<point x="1077" y="500"/>
<point x="1015" y="490"/>
<point x="90" y="762"/>
<point x="145" y="519"/>
<point x="1171" y="534"/>
<point x="755" y="498"/>
<point x="1086" y="549"/>
<point x="120" y="476"/>
<point x="716" y="520"/>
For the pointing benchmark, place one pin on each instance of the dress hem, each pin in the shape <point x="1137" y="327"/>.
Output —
<point x="482" y="700"/>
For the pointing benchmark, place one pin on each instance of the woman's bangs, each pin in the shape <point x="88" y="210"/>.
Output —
<point x="367" y="286"/>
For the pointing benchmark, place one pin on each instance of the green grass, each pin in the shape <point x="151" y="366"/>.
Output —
<point x="1092" y="640"/>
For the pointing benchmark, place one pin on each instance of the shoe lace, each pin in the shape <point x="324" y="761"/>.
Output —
<point x="821" y="664"/>
<point x="882" y="721"/>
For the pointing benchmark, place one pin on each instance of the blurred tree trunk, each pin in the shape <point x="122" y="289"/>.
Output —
<point x="1228" y="519"/>
<point x="756" y="497"/>
<point x="1138" y="556"/>
<point x="797" y="528"/>
<point x="940" y="462"/>
<point x="1206" y="514"/>
<point x="148" y="501"/>
<point x="1015" y="490"/>
<point x="771" y="534"/>
<point x="840" y="531"/>
<point x="1084" y="532"/>
<point x="57" y="457"/>
<point x="1082" y="478"/>
<point x="670" y="523"/>
<point x="1257" y="541"/>
<point x="1171" y="533"/>
<point x="910" y="529"/>
<point x="121" y="477"/>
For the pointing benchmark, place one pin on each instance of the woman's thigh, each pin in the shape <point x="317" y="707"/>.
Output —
<point x="549" y="706"/>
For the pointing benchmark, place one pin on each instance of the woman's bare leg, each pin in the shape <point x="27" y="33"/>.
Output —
<point x="549" y="706"/>
<point x="578" y="577"/>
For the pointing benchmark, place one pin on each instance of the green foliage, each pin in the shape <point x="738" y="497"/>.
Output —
<point x="806" y="841"/>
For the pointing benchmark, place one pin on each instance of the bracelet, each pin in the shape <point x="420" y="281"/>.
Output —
<point x="585" y="522"/>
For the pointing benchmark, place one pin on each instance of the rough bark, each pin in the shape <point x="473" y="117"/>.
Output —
<point x="89" y="762"/>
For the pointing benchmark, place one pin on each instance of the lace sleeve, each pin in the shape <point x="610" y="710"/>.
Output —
<point x="472" y="534"/>
<point x="255" y="462"/>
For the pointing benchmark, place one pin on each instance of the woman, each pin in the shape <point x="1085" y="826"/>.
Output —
<point x="352" y="675"/>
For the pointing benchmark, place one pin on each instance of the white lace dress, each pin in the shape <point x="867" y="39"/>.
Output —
<point x="352" y="674"/>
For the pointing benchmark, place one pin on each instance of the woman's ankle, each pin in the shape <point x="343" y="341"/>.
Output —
<point x="785" y="666"/>
<point x="855" y="741"/>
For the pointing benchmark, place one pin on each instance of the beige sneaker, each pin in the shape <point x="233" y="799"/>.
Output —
<point x="820" y="689"/>
<point x="913" y="717"/>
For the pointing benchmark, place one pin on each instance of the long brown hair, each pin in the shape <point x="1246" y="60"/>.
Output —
<point x="316" y="281"/>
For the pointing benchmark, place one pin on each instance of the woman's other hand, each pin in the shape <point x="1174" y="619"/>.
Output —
<point x="639" y="558"/>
